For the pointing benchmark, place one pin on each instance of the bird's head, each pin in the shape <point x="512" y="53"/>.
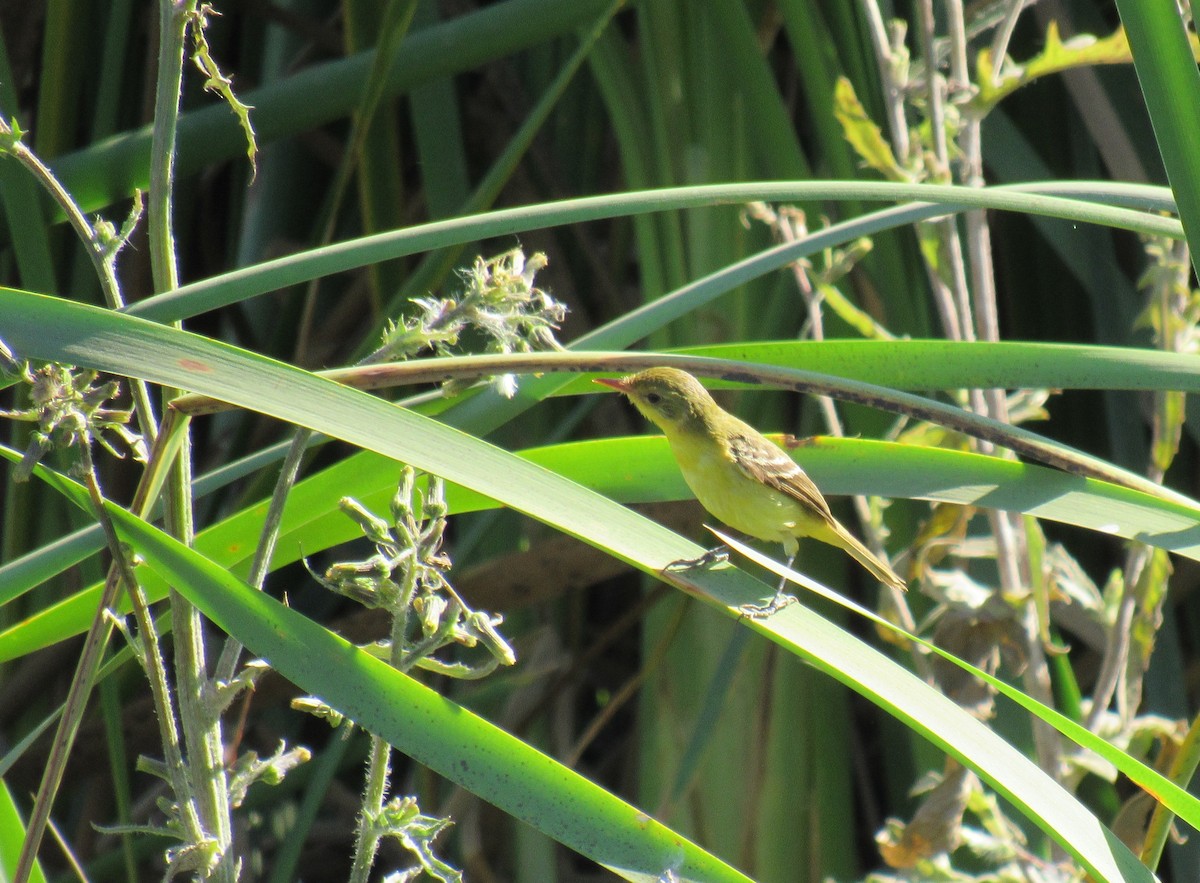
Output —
<point x="669" y="398"/>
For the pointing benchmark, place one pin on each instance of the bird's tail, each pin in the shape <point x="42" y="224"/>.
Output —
<point x="880" y="570"/>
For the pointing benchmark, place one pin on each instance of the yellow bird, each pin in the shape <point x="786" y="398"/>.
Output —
<point x="740" y="476"/>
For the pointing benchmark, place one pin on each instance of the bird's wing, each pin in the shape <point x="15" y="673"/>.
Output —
<point x="765" y="462"/>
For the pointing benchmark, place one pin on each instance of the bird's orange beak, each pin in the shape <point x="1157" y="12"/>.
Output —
<point x="615" y="382"/>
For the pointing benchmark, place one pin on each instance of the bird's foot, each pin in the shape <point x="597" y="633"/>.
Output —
<point x="765" y="611"/>
<point x="716" y="555"/>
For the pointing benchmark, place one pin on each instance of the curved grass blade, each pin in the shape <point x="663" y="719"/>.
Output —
<point x="1166" y="68"/>
<point x="55" y="329"/>
<point x="1038" y="199"/>
<point x="641" y="470"/>
<point x="433" y="730"/>
<point x="12" y="836"/>
<point x="1153" y="782"/>
<point x="907" y="364"/>
<point x="489" y="762"/>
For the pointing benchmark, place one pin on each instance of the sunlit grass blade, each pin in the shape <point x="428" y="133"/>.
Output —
<point x="167" y="355"/>
<point x="635" y="470"/>
<point x="1153" y="782"/>
<point x="439" y="734"/>
<point x="1064" y="200"/>
<point x="12" y="836"/>
<point x="414" y="719"/>
<point x="1166" y="68"/>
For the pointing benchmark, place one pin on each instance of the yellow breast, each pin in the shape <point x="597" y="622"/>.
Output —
<point x="734" y="497"/>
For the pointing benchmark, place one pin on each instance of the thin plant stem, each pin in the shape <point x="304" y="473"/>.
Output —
<point x="893" y="94"/>
<point x="102" y="255"/>
<point x="1114" y="665"/>
<point x="1003" y="35"/>
<point x="366" y="841"/>
<point x="1183" y="769"/>
<point x="200" y="719"/>
<point x="952" y="254"/>
<point x="894" y="97"/>
<point x="173" y="27"/>
<point x="121" y="572"/>
<point x="397" y="19"/>
<point x="833" y="423"/>
<point x="268" y="537"/>
<point x="628" y="690"/>
<point x="1011" y="542"/>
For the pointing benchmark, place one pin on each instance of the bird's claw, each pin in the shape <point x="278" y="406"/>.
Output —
<point x="766" y="611"/>
<point x="717" y="555"/>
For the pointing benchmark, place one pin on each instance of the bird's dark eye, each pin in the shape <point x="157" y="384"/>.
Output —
<point x="653" y="398"/>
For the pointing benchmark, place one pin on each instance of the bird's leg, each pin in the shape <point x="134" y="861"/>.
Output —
<point x="780" y="600"/>
<point x="715" y="555"/>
